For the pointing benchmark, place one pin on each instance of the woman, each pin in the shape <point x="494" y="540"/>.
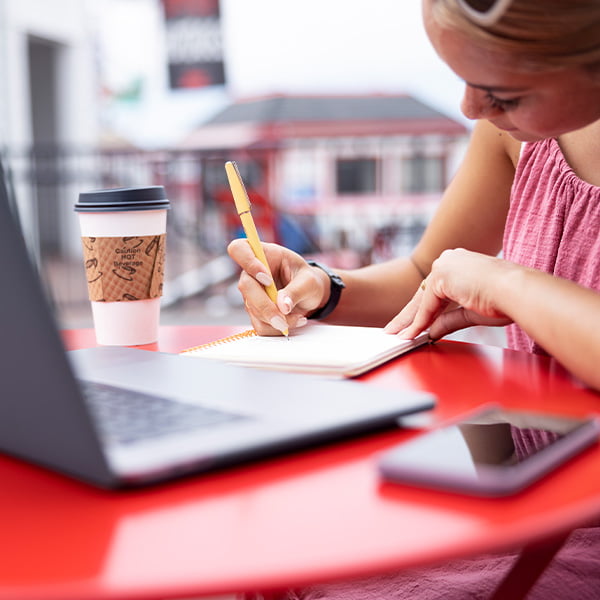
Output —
<point x="529" y="186"/>
<point x="532" y="79"/>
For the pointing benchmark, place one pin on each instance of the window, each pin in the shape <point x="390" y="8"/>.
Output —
<point x="356" y="176"/>
<point x="422" y="174"/>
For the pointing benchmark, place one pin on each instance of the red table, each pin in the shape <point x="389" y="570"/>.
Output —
<point x="306" y="517"/>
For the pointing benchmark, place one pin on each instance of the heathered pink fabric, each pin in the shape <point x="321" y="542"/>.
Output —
<point x="553" y="223"/>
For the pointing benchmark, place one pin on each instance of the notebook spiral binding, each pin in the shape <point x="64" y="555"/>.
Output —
<point x="225" y="340"/>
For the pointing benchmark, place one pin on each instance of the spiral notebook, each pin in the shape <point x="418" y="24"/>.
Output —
<point x="335" y="350"/>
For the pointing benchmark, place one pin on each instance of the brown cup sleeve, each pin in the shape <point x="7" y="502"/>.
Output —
<point x="124" y="268"/>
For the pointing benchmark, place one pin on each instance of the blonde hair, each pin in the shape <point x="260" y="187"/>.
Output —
<point x="544" y="34"/>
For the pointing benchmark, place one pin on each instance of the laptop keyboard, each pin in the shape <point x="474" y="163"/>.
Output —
<point x="126" y="416"/>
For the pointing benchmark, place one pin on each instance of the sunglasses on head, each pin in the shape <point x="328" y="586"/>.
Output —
<point x="484" y="12"/>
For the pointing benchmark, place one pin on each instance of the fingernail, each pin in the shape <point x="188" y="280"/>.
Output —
<point x="288" y="304"/>
<point x="301" y="322"/>
<point x="263" y="279"/>
<point x="391" y="327"/>
<point x="403" y="334"/>
<point x="278" y="323"/>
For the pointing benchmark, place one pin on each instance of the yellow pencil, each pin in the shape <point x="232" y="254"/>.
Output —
<point x="243" y="207"/>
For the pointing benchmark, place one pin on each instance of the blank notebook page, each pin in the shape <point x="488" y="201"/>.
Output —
<point x="316" y="348"/>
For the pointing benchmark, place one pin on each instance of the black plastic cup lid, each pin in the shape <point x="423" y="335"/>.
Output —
<point x="121" y="199"/>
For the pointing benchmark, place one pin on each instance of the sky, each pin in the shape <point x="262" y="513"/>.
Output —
<point x="272" y="46"/>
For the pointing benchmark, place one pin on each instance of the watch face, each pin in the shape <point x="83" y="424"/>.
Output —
<point x="338" y="281"/>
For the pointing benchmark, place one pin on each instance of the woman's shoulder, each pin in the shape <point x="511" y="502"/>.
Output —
<point x="580" y="151"/>
<point x="497" y="140"/>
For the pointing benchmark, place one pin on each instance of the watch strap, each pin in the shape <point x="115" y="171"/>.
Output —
<point x="336" y="287"/>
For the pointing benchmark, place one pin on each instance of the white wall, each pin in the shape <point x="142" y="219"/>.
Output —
<point x="66" y="24"/>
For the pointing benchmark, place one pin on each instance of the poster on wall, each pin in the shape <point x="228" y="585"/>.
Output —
<point x="194" y="43"/>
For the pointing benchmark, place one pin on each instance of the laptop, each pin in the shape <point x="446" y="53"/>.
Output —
<point x="120" y="417"/>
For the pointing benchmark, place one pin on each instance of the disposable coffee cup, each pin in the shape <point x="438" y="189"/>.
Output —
<point x="123" y="234"/>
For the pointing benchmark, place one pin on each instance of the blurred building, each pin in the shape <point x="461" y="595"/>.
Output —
<point x="363" y="172"/>
<point x="48" y="102"/>
<point x="354" y="177"/>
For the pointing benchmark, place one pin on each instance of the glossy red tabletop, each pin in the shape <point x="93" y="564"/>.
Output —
<point x="304" y="517"/>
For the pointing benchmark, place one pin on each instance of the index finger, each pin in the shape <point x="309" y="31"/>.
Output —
<point x="241" y="252"/>
<point x="429" y="307"/>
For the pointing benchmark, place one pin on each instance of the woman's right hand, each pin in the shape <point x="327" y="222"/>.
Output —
<point x="302" y="288"/>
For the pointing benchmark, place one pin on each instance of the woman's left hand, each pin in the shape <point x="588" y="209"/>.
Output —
<point x="461" y="290"/>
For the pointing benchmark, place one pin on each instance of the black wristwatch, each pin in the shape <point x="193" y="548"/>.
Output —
<point x="337" y="285"/>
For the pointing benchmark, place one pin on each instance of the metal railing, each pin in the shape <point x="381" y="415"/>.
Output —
<point x="46" y="181"/>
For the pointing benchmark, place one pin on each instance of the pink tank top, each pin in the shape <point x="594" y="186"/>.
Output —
<point x="553" y="224"/>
